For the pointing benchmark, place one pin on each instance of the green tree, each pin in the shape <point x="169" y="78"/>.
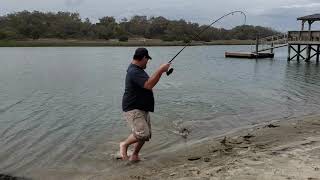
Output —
<point x="26" y="25"/>
<point x="3" y="35"/>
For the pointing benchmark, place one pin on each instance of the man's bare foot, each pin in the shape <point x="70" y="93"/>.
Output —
<point x="134" y="158"/>
<point x="123" y="151"/>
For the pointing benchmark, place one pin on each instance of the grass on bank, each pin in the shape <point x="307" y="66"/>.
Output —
<point x="112" y="42"/>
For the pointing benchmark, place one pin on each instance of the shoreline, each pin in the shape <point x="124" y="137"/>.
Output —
<point x="286" y="149"/>
<point x="279" y="149"/>
<point x="113" y="43"/>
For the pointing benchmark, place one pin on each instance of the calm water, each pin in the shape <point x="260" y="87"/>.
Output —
<point x="60" y="108"/>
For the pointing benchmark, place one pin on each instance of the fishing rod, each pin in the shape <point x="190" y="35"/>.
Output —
<point x="203" y="30"/>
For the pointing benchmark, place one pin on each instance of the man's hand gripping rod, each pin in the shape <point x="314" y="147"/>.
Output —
<point x="198" y="35"/>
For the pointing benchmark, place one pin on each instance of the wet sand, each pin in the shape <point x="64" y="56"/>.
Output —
<point x="9" y="177"/>
<point x="287" y="149"/>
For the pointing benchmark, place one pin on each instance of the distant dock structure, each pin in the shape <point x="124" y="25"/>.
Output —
<point x="268" y="44"/>
<point x="302" y="45"/>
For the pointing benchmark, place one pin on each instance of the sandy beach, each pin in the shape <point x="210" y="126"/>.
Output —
<point x="288" y="149"/>
<point x="277" y="150"/>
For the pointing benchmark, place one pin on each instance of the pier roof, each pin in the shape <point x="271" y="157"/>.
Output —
<point x="313" y="17"/>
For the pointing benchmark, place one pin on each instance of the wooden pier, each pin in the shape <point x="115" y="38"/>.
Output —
<point x="249" y="55"/>
<point x="304" y="44"/>
<point x="272" y="42"/>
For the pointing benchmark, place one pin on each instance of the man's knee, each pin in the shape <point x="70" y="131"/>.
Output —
<point x="144" y="135"/>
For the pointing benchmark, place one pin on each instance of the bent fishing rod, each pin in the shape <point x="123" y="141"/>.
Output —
<point x="203" y="30"/>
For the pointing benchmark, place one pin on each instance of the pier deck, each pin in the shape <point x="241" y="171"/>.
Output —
<point x="248" y="55"/>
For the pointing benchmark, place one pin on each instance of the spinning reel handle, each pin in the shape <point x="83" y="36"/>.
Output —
<point x="169" y="72"/>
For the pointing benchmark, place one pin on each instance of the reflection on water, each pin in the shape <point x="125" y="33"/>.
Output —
<point x="60" y="108"/>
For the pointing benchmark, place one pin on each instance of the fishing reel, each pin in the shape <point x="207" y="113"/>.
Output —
<point x="170" y="71"/>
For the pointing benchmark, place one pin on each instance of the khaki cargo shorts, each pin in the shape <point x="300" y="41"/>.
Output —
<point x="139" y="122"/>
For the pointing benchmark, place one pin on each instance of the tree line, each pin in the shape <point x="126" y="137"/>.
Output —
<point x="67" y="25"/>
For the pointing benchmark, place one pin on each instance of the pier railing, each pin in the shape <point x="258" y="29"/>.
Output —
<point x="275" y="39"/>
<point x="313" y="36"/>
<point x="271" y="42"/>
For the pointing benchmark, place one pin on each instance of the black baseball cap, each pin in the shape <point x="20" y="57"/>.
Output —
<point x="141" y="52"/>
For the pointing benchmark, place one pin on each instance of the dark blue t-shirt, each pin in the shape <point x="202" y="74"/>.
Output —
<point x="135" y="95"/>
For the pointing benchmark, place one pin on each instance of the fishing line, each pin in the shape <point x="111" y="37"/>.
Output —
<point x="203" y="30"/>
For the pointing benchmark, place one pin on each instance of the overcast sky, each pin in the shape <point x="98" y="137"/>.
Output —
<point x="278" y="14"/>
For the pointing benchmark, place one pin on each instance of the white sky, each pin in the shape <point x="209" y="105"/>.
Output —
<point x="278" y="14"/>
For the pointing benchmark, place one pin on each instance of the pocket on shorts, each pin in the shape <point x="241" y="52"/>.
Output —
<point x="139" y="124"/>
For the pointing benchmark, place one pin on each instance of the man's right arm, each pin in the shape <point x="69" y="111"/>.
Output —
<point x="154" y="79"/>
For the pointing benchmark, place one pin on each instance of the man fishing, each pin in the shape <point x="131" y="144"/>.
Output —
<point x="138" y="101"/>
<point x="138" y="98"/>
